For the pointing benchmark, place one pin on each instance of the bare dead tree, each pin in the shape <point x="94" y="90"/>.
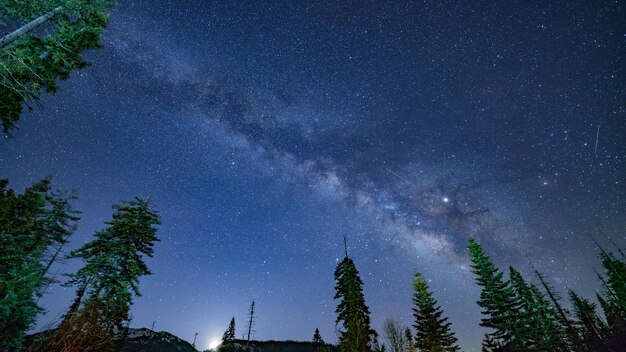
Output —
<point x="250" y="322"/>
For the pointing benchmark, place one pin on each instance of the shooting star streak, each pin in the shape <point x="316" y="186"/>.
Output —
<point x="402" y="178"/>
<point x="597" y="138"/>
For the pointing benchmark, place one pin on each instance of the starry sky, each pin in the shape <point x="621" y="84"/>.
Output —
<point x="265" y="131"/>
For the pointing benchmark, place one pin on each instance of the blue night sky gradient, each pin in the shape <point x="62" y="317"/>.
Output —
<point x="265" y="131"/>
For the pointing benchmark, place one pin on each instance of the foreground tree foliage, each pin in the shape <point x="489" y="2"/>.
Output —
<point x="109" y="278"/>
<point x="32" y="60"/>
<point x="229" y="334"/>
<point x="433" y="329"/>
<point x="355" y="333"/>
<point x="537" y="325"/>
<point x="537" y="322"/>
<point x="497" y="299"/>
<point x="34" y="226"/>
<point x="589" y="324"/>
<point x="410" y="342"/>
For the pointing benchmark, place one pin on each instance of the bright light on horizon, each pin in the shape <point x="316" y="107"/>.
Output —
<point x="213" y="344"/>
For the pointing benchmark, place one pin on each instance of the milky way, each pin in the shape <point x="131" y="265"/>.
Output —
<point x="265" y="132"/>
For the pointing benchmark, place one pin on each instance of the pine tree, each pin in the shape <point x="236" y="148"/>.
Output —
<point x="113" y="265"/>
<point x="374" y="344"/>
<point x="613" y="302"/>
<point x="527" y="335"/>
<point x="355" y="332"/>
<point x="489" y="344"/>
<point x="590" y="325"/>
<point x="317" y="337"/>
<point x="229" y="334"/>
<point x="615" y="333"/>
<point x="433" y="330"/>
<point x="616" y="279"/>
<point x="497" y="300"/>
<point x="573" y="341"/>
<point x="33" y="63"/>
<point x="538" y="327"/>
<point x="410" y="342"/>
<point x="33" y="227"/>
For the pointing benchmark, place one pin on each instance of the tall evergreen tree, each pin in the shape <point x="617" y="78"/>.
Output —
<point x="590" y="325"/>
<point x="613" y="302"/>
<point x="410" y="342"/>
<point x="615" y="333"/>
<point x="433" y="330"/>
<point x="33" y="61"/>
<point x="497" y="300"/>
<point x="374" y="345"/>
<point x="33" y="227"/>
<point x="538" y="327"/>
<point x="355" y="332"/>
<point x="574" y="343"/>
<point x="317" y="337"/>
<point x="113" y="265"/>
<point x="616" y="279"/>
<point x="229" y="334"/>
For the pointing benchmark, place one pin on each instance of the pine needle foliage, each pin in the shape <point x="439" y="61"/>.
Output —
<point x="34" y="63"/>
<point x="590" y="326"/>
<point x="353" y="318"/>
<point x="229" y="334"/>
<point x="34" y="226"/>
<point x="537" y="323"/>
<point x="497" y="298"/>
<point x="433" y="329"/>
<point x="317" y="337"/>
<point x="113" y="264"/>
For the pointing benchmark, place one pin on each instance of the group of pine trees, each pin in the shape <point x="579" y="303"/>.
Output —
<point x="34" y="228"/>
<point x="229" y="342"/>
<point x="44" y="44"/>
<point x="519" y="315"/>
<point x="433" y="332"/>
<point x="522" y="317"/>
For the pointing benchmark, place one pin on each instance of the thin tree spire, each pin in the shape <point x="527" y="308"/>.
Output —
<point x="607" y="256"/>
<point x="605" y="284"/>
<point x="250" y="323"/>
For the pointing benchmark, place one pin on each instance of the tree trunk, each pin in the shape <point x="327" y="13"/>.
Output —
<point x="76" y="304"/>
<point x="54" y="258"/>
<point x="571" y="331"/>
<point x="250" y="323"/>
<point x="20" y="32"/>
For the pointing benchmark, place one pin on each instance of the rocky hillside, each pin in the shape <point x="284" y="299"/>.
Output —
<point x="146" y="340"/>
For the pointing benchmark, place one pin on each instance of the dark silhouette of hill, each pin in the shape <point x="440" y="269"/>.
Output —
<point x="146" y="340"/>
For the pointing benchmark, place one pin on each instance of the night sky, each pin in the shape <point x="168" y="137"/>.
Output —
<point x="264" y="132"/>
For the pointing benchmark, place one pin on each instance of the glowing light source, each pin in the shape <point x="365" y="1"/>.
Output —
<point x="446" y="200"/>
<point x="214" y="344"/>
